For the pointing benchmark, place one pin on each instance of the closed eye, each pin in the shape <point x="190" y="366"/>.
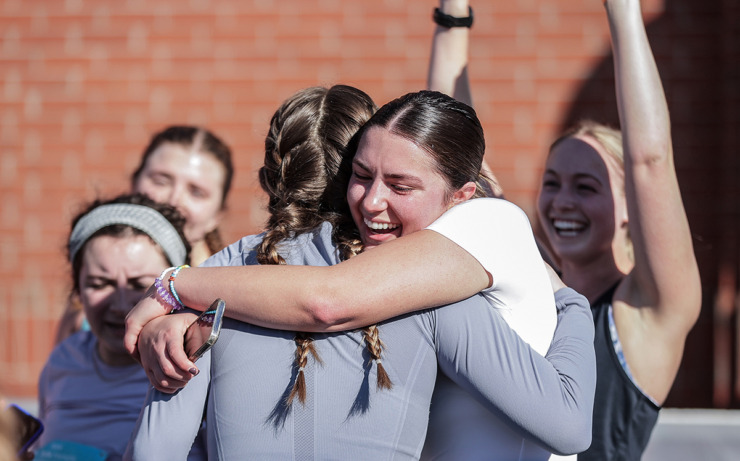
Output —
<point x="550" y="183"/>
<point x="198" y="192"/>
<point x="140" y="284"/>
<point x="401" y="189"/>
<point x="360" y="176"/>
<point x="97" y="283"/>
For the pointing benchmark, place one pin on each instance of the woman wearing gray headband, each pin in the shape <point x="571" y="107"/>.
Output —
<point x="91" y="390"/>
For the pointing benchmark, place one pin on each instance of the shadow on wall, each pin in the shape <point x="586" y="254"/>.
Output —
<point x="696" y="47"/>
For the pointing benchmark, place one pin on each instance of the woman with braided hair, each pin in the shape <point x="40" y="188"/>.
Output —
<point x="397" y="187"/>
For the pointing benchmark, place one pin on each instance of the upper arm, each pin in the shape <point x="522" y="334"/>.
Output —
<point x="665" y="275"/>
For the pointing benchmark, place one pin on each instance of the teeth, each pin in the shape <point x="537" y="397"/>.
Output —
<point x="379" y="225"/>
<point x="567" y="225"/>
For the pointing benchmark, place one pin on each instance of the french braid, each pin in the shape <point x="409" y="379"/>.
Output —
<point x="305" y="175"/>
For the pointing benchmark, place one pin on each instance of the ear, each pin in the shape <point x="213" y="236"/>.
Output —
<point x="622" y="217"/>
<point x="464" y="193"/>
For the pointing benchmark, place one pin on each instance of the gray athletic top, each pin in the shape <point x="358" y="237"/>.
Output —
<point x="249" y="372"/>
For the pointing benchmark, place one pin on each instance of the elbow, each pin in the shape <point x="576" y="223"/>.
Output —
<point x="326" y="314"/>
<point x="576" y="439"/>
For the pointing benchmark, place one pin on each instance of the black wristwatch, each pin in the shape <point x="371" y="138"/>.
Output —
<point x="445" y="20"/>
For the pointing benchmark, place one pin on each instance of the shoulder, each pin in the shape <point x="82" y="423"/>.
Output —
<point x="494" y="231"/>
<point x="481" y="212"/>
<point x="74" y="349"/>
<point x="240" y="253"/>
<point x="315" y="248"/>
<point x="71" y="355"/>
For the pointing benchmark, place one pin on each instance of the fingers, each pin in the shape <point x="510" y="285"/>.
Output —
<point x="162" y="352"/>
<point x="164" y="376"/>
<point x="131" y="337"/>
<point x="176" y="353"/>
<point x="164" y="384"/>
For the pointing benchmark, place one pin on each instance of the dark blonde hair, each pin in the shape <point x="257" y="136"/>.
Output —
<point x="305" y="177"/>
<point x="609" y="138"/>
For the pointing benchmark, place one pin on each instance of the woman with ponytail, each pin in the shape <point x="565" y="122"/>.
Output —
<point x="324" y="406"/>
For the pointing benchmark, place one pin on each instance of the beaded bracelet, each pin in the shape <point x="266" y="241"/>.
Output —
<point x="172" y="283"/>
<point x="165" y="295"/>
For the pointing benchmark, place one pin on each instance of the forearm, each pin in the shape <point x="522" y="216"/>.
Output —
<point x="169" y="424"/>
<point x="414" y="272"/>
<point x="549" y="399"/>
<point x="448" y="64"/>
<point x="643" y="111"/>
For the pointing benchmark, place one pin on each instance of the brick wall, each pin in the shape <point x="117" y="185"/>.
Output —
<point x="84" y="85"/>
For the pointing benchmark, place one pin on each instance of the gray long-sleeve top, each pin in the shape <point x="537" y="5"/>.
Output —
<point x="246" y="377"/>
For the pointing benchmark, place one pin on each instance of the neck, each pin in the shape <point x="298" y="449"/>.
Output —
<point x="591" y="278"/>
<point x="199" y="253"/>
<point x="113" y="359"/>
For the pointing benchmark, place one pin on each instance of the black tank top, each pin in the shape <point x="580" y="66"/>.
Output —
<point x="624" y="417"/>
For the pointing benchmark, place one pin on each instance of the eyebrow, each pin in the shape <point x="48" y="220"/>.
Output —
<point x="577" y="175"/>
<point x="403" y="176"/>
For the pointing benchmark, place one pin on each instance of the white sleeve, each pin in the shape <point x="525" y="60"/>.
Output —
<point x="498" y="234"/>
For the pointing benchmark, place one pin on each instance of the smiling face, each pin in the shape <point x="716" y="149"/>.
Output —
<point x="395" y="189"/>
<point x="576" y="205"/>
<point x="188" y="179"/>
<point x="114" y="274"/>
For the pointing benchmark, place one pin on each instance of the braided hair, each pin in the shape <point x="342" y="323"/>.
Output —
<point x="305" y="175"/>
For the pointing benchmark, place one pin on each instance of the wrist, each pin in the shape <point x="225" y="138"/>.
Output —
<point x="449" y="20"/>
<point x="165" y="288"/>
<point x="457" y="8"/>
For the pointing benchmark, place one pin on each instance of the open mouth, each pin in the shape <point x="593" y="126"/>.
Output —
<point x="566" y="228"/>
<point x="380" y="228"/>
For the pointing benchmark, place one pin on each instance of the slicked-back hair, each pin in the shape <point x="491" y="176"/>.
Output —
<point x="447" y="129"/>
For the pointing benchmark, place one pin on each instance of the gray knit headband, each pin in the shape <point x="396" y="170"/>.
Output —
<point x="141" y="217"/>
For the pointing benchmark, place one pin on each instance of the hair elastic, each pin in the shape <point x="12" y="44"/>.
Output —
<point x="143" y="218"/>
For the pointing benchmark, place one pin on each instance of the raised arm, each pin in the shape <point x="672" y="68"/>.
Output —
<point x="448" y="67"/>
<point x="448" y="64"/>
<point x="665" y="277"/>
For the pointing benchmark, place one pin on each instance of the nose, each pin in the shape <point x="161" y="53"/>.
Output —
<point x="563" y="200"/>
<point x="375" y="199"/>
<point x="176" y="195"/>
<point x="123" y="301"/>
